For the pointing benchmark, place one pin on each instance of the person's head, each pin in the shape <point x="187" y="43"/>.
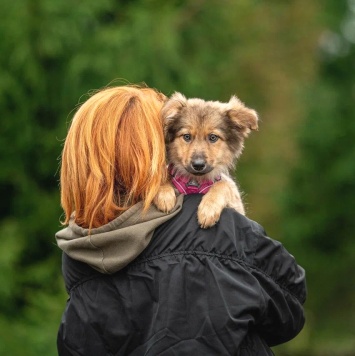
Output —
<point x="113" y="155"/>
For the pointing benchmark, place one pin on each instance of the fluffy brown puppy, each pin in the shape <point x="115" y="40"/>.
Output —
<point x="204" y="140"/>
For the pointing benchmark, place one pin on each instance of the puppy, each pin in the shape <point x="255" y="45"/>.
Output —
<point x="204" y="140"/>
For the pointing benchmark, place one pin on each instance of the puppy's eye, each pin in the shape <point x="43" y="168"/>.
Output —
<point x="187" y="137"/>
<point x="213" y="138"/>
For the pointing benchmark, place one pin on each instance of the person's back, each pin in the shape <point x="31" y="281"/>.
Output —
<point x="227" y="290"/>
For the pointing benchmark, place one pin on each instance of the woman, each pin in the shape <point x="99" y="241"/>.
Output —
<point x="142" y="282"/>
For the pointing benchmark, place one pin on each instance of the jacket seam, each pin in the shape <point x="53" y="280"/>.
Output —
<point x="220" y="256"/>
<point x="84" y="280"/>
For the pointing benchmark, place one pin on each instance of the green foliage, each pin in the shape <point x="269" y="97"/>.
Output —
<point x="319" y="222"/>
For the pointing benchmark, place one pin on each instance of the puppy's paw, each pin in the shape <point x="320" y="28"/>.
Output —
<point x="208" y="214"/>
<point x="165" y="200"/>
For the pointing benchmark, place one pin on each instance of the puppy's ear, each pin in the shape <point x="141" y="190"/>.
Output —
<point x="243" y="118"/>
<point x="173" y="105"/>
<point x="169" y="114"/>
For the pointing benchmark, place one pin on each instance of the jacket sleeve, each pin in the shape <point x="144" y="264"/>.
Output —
<point x="283" y="291"/>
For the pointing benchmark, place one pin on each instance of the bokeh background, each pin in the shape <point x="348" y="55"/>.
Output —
<point x="292" y="61"/>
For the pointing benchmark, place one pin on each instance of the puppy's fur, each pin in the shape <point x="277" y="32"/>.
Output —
<point x="204" y="140"/>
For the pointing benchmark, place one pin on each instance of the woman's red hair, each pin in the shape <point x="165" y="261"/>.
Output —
<point x="113" y="156"/>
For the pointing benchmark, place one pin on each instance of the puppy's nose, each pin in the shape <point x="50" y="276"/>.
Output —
<point x="198" y="164"/>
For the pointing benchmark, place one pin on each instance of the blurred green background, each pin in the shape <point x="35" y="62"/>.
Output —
<point x="292" y="61"/>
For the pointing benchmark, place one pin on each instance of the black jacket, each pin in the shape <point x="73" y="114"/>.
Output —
<point x="227" y="290"/>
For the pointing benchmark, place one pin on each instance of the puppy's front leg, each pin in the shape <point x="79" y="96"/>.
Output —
<point x="212" y="204"/>
<point x="222" y="194"/>
<point x="235" y="201"/>
<point x="165" y="199"/>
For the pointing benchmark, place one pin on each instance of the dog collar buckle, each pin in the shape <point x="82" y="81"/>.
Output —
<point x="192" y="183"/>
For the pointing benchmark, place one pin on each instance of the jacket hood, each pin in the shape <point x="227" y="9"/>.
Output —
<point x="111" y="247"/>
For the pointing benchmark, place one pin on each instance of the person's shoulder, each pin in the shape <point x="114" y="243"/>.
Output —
<point x="234" y="236"/>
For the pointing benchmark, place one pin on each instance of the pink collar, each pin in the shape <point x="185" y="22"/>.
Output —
<point x="190" y="186"/>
